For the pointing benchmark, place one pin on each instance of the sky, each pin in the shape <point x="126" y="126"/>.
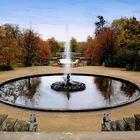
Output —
<point x="51" y="17"/>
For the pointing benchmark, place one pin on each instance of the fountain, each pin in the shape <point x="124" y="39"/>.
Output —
<point x="68" y="84"/>
<point x="64" y="92"/>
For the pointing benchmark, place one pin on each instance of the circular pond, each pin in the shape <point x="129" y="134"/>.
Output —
<point x="101" y="92"/>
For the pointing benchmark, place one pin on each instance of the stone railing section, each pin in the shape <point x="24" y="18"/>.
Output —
<point x="12" y="124"/>
<point x="127" y="124"/>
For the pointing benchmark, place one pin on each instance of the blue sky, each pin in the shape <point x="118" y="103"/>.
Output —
<point x="50" y="17"/>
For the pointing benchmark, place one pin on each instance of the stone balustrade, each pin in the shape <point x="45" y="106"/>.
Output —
<point x="127" y="124"/>
<point x="12" y="124"/>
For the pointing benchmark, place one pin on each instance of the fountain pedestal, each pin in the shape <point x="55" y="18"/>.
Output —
<point x="68" y="85"/>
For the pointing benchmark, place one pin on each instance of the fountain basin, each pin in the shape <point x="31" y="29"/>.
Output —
<point x="102" y="92"/>
<point x="65" y="61"/>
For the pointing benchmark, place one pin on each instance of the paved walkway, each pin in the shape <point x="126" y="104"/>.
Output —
<point x="71" y="122"/>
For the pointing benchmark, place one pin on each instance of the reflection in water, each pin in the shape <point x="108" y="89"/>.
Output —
<point x="36" y="92"/>
<point x="105" y="86"/>
<point x="30" y="85"/>
<point x="67" y="94"/>
<point x="24" y="89"/>
<point x="114" y="91"/>
<point x="128" y="89"/>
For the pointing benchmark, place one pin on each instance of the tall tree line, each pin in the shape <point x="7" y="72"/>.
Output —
<point x="115" y="45"/>
<point x="22" y="46"/>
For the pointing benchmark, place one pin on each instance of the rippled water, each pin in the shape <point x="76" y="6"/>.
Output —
<point x="100" y="92"/>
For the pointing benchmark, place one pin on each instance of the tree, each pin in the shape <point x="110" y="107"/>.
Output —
<point x="102" y="47"/>
<point x="118" y="25"/>
<point x="44" y="52"/>
<point x="29" y="47"/>
<point x="81" y="47"/>
<point x="54" y="45"/>
<point x="73" y="44"/>
<point x="99" y="25"/>
<point x="88" y="49"/>
<point x="108" y="45"/>
<point x="9" y="35"/>
<point x="130" y="39"/>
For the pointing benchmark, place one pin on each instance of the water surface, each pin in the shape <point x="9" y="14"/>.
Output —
<point x="100" y="92"/>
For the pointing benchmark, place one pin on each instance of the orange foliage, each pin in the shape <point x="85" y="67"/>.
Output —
<point x="44" y="51"/>
<point x="93" y="50"/>
<point x="102" y="47"/>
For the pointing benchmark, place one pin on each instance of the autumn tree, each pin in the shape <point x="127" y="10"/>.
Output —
<point x="44" y="52"/>
<point x="131" y="35"/>
<point x="118" y="25"/>
<point x="9" y="45"/>
<point x="54" y="45"/>
<point x="130" y="39"/>
<point x="29" y="47"/>
<point x="88" y="48"/>
<point x="107" y="44"/>
<point x="92" y="51"/>
<point x="102" y="47"/>
<point x="81" y="48"/>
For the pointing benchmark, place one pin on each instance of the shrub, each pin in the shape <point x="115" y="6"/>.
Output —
<point x="126" y="59"/>
<point x="5" y="67"/>
<point x="129" y="67"/>
<point x="137" y="68"/>
<point x="46" y="63"/>
<point x="89" y="63"/>
<point x="108" y="63"/>
<point x="137" y="63"/>
<point x="121" y="58"/>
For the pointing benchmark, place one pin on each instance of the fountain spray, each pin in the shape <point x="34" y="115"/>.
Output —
<point x="67" y="53"/>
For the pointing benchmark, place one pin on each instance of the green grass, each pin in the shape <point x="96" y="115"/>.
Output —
<point x="17" y="65"/>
